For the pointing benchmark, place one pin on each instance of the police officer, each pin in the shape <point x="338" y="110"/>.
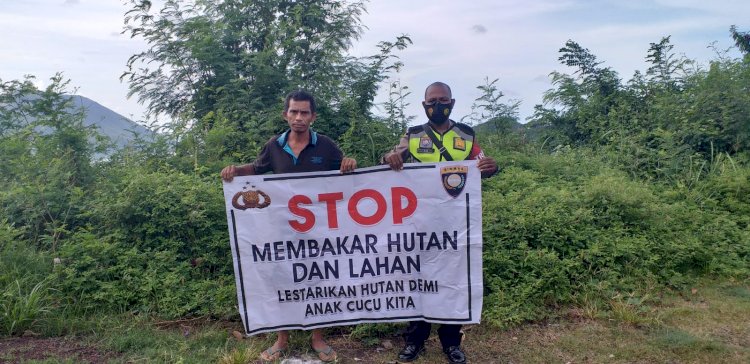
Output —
<point x="440" y="139"/>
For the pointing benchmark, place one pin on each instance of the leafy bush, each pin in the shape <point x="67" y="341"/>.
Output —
<point x="551" y="234"/>
<point x="159" y="246"/>
<point x="25" y="293"/>
<point x="45" y="159"/>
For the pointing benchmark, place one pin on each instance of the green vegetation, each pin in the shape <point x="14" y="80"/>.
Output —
<point x="613" y="193"/>
<point x="708" y="322"/>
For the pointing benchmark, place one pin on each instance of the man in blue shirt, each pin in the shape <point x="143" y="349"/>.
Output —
<point x="299" y="149"/>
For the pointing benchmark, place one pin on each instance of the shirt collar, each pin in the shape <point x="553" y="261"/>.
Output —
<point x="313" y="137"/>
<point x="450" y="122"/>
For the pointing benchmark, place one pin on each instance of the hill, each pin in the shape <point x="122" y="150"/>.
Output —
<point x="109" y="123"/>
<point x="502" y="125"/>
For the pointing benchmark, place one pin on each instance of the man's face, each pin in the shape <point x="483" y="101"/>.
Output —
<point x="437" y="94"/>
<point x="299" y="116"/>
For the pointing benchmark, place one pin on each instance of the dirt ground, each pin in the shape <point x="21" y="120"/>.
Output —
<point x="22" y="349"/>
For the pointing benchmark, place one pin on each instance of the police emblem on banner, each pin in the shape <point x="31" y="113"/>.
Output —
<point x="454" y="179"/>
<point x="250" y="199"/>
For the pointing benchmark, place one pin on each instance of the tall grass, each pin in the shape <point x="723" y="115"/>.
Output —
<point x="25" y="290"/>
<point x="20" y="309"/>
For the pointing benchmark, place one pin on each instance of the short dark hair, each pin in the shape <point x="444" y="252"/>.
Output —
<point x="438" y="83"/>
<point x="300" y="95"/>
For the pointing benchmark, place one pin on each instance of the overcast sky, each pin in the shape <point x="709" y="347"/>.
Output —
<point x="458" y="42"/>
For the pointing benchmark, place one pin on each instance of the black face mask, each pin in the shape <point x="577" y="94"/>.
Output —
<point x="437" y="113"/>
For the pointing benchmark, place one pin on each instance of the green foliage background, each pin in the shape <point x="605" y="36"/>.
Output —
<point x="613" y="188"/>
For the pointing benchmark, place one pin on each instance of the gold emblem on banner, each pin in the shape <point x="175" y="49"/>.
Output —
<point x="454" y="179"/>
<point x="253" y="199"/>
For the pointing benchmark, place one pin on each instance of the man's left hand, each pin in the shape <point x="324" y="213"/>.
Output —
<point x="348" y="165"/>
<point x="487" y="166"/>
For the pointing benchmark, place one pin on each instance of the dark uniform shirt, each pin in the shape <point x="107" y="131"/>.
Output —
<point x="321" y="154"/>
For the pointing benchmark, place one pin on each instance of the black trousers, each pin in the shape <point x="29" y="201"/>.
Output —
<point x="418" y="332"/>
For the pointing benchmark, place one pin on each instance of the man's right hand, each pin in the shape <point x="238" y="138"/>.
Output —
<point x="395" y="161"/>
<point x="228" y="173"/>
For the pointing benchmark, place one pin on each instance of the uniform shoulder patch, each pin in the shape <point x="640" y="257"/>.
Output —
<point x="465" y="128"/>
<point x="415" y="129"/>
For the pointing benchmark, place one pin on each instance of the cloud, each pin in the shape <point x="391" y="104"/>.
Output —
<point x="39" y="83"/>
<point x="726" y="7"/>
<point x="521" y="49"/>
<point x="479" y="29"/>
<point x="541" y="78"/>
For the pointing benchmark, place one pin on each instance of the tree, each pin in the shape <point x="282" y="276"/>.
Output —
<point x="395" y="107"/>
<point x="573" y="55"/>
<point x="584" y="101"/>
<point x="716" y="116"/>
<point x="665" y="65"/>
<point x="237" y="59"/>
<point x="46" y="158"/>
<point x="237" y="53"/>
<point x="368" y="137"/>
<point x="741" y="39"/>
<point x="488" y="108"/>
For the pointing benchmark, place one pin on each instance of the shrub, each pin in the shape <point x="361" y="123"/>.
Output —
<point x="158" y="244"/>
<point x="20" y="309"/>
<point x="552" y="234"/>
<point x="25" y="293"/>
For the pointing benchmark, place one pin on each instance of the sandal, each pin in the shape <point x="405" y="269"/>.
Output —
<point x="272" y="354"/>
<point x="326" y="355"/>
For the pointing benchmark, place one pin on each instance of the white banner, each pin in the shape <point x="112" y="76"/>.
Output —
<point x="324" y="249"/>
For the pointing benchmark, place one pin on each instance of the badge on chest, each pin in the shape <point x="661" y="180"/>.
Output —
<point x="425" y="144"/>
<point x="459" y="144"/>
